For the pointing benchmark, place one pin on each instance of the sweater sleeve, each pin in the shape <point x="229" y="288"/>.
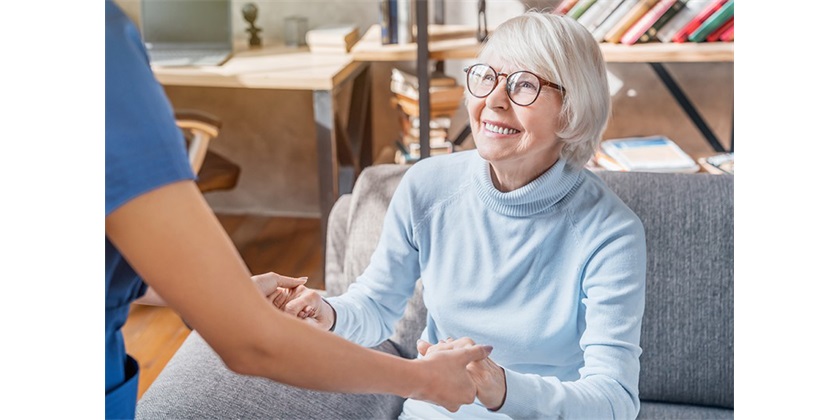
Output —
<point x="613" y="296"/>
<point x="368" y="312"/>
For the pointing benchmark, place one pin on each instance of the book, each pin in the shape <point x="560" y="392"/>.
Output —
<point x="715" y="36"/>
<point x="411" y="153"/>
<point x="613" y="18"/>
<point x="564" y="6"/>
<point x="597" y="13"/>
<point x="333" y="34"/>
<point x="718" y="18"/>
<point x="729" y="34"/>
<point x="406" y="26"/>
<point x="672" y="11"/>
<point x="649" y="154"/>
<point x="632" y="16"/>
<point x="336" y="38"/>
<point x="580" y="7"/>
<point x="646" y="21"/>
<point x="604" y="161"/>
<point x="711" y="7"/>
<point x="669" y="29"/>
<point x="384" y="21"/>
<point x="722" y="163"/>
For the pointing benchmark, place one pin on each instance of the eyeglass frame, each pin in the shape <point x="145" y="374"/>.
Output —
<point x="543" y="82"/>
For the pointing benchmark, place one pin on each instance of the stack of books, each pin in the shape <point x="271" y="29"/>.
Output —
<point x="644" y="154"/>
<point x="336" y="38"/>
<point x="638" y="21"/>
<point x="445" y="97"/>
<point x="721" y="163"/>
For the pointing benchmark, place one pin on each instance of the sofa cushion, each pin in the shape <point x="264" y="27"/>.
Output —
<point x="196" y="384"/>
<point x="688" y="326"/>
<point x="653" y="410"/>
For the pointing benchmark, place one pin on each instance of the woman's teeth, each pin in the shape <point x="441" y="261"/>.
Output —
<point x="500" y="130"/>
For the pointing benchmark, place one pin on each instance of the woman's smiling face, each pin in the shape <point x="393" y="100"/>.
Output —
<point x="512" y="137"/>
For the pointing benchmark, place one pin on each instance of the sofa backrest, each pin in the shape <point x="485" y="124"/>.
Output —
<point x="688" y="326"/>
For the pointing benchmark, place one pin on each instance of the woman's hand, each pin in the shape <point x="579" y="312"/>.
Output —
<point x="488" y="377"/>
<point x="306" y="304"/>
<point x="270" y="282"/>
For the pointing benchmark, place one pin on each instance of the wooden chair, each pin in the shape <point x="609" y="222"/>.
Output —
<point x="214" y="172"/>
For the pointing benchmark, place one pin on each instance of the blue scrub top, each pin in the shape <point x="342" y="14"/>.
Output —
<point x="144" y="150"/>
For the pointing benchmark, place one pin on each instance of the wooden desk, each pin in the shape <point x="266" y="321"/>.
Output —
<point x="342" y="150"/>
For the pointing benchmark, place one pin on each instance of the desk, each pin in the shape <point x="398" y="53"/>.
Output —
<point x="343" y="150"/>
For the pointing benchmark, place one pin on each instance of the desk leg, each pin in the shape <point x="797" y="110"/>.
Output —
<point x="343" y="149"/>
<point x="687" y="106"/>
<point x="325" y="136"/>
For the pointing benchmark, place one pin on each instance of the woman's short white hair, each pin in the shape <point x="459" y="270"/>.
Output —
<point x="561" y="50"/>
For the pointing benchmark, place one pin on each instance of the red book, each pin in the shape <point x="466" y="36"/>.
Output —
<point x="694" y="23"/>
<point x="564" y="7"/>
<point x="646" y="21"/>
<point x="715" y="35"/>
<point x="728" y="35"/>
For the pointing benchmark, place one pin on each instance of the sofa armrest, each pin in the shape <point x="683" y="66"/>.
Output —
<point x="335" y="281"/>
<point x="196" y="384"/>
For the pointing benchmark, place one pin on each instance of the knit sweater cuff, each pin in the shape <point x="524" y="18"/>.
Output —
<point x="523" y="395"/>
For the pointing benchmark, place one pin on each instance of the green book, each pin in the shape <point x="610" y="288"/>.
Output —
<point x="581" y="6"/>
<point x="650" y="34"/>
<point x="713" y="22"/>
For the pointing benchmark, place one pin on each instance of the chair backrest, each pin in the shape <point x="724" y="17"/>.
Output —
<point x="688" y="326"/>
<point x="213" y="171"/>
<point x="200" y="127"/>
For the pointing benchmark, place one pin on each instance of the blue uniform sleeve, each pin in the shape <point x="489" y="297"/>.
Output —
<point x="144" y="148"/>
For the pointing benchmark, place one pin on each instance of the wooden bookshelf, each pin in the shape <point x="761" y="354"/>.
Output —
<point x="466" y="46"/>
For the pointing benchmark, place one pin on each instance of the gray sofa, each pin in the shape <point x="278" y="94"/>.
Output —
<point x="687" y="337"/>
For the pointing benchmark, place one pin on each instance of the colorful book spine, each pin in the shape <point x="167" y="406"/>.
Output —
<point x="646" y="22"/>
<point x="718" y="18"/>
<point x="666" y="17"/>
<point x="633" y="15"/>
<point x="564" y="7"/>
<point x="601" y="31"/>
<point x="728" y="35"/>
<point x="715" y="36"/>
<point x="385" y="22"/>
<point x="711" y="7"/>
<point x="691" y="9"/>
<point x="580" y="7"/>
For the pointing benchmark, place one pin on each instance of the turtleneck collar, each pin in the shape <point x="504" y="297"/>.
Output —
<point x="532" y="198"/>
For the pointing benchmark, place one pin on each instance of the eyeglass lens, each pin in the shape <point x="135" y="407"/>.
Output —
<point x="522" y="86"/>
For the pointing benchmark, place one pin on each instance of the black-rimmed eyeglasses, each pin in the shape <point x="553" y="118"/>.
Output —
<point x="523" y="87"/>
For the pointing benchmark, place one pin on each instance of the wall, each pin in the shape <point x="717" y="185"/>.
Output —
<point x="265" y="134"/>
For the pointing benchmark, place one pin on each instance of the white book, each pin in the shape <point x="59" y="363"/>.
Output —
<point x="596" y="14"/>
<point x="613" y="19"/>
<point x="649" y="154"/>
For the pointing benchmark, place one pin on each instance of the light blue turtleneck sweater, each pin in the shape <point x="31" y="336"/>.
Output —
<point x="552" y="275"/>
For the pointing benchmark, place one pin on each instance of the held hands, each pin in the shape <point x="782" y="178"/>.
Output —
<point x="487" y="376"/>
<point x="272" y="283"/>
<point x="451" y="383"/>
<point x="306" y="304"/>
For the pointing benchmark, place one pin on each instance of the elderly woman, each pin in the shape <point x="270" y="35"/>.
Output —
<point x="517" y="244"/>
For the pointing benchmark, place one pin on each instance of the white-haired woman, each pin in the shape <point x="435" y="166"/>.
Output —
<point x="517" y="244"/>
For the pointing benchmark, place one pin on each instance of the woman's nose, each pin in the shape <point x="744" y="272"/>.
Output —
<point x="498" y="96"/>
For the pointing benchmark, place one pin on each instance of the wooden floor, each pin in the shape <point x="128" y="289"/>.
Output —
<point x="284" y="245"/>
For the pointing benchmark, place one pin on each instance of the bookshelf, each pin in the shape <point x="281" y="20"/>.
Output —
<point x="370" y="48"/>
